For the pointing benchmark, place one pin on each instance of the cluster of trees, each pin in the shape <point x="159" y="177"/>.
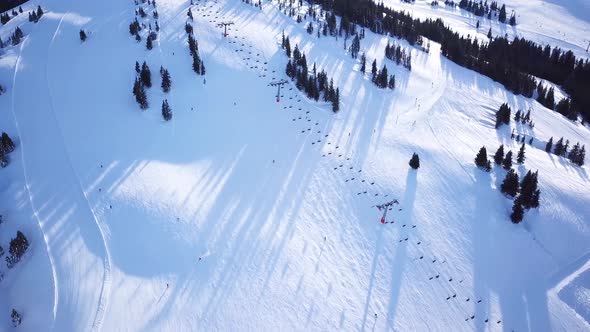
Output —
<point x="143" y="79"/>
<point x="511" y="63"/>
<point x="399" y="55"/>
<point x="134" y="29"/>
<point x="527" y="190"/>
<point x="503" y="115"/>
<point x="16" y="318"/>
<point x="527" y="198"/>
<point x="520" y="139"/>
<point x="576" y="155"/>
<point x="18" y="247"/>
<point x="6" y="147"/>
<point x="193" y="47"/>
<point x="4" y="18"/>
<point x="315" y="84"/>
<point x="546" y="97"/>
<point x="35" y="16"/>
<point x="524" y="118"/>
<point x="380" y="78"/>
<point x="481" y="159"/>
<point x="14" y="38"/>
<point x="480" y="8"/>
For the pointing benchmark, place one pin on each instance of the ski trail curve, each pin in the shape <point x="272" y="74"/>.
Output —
<point x="33" y="208"/>
<point x="57" y="198"/>
<point x="106" y="285"/>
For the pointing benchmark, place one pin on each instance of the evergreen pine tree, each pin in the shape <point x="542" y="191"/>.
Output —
<point x="520" y="157"/>
<point x="336" y="101"/>
<point x="287" y="47"/>
<point x="490" y="34"/>
<point x="16" y="318"/>
<point x="499" y="155"/>
<point x="363" y="63"/>
<point x="7" y="145"/>
<point x="582" y="156"/>
<point x="39" y="12"/>
<point x="137" y="69"/>
<point x="517" y="211"/>
<point x="510" y="184"/>
<point x="82" y="35"/>
<point x="166" y="81"/>
<point x="549" y="145"/>
<point x="415" y="161"/>
<point x="140" y="95"/>
<point x="374" y="69"/>
<point x="391" y="82"/>
<point x="196" y="63"/>
<point x="502" y="16"/>
<point x="550" y="99"/>
<point x="481" y="160"/>
<point x="507" y="163"/>
<point x="558" y="149"/>
<point x="149" y="44"/>
<point x="574" y="153"/>
<point x="145" y="75"/>
<point x="166" y="111"/>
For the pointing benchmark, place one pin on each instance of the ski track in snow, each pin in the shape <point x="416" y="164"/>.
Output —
<point x="35" y="212"/>
<point x="105" y="288"/>
<point x="449" y="284"/>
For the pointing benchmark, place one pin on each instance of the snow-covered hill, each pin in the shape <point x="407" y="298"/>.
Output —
<point x="242" y="213"/>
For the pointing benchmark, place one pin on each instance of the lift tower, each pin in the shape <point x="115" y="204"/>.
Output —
<point x="278" y="84"/>
<point x="224" y="25"/>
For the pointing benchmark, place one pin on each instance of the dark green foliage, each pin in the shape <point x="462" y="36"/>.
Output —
<point x="517" y="211"/>
<point x="507" y="163"/>
<point x="415" y="161"/>
<point x="149" y="44"/>
<point x="166" y="111"/>
<point x="374" y="69"/>
<point x="510" y="185"/>
<point x="188" y="28"/>
<point x="499" y="155"/>
<point x="355" y="46"/>
<point x="481" y="160"/>
<point x="145" y="75"/>
<point x="502" y="16"/>
<point x="549" y="145"/>
<point x="520" y="157"/>
<point x="166" y="80"/>
<point x="82" y="35"/>
<point x="18" y="247"/>
<point x="577" y="154"/>
<point x="363" y="63"/>
<point x="559" y="147"/>
<point x="6" y="143"/>
<point x="16" y="318"/>
<point x="503" y="115"/>
<point x="529" y="192"/>
<point x="134" y="27"/>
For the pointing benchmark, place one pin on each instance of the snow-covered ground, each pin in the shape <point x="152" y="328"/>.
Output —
<point x="242" y="213"/>
<point x="562" y="23"/>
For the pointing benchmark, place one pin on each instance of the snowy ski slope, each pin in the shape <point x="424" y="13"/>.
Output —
<point x="244" y="214"/>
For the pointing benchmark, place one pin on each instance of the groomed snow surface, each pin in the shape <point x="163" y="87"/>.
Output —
<point x="242" y="213"/>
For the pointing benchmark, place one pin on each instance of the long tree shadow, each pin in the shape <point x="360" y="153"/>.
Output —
<point x="399" y="260"/>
